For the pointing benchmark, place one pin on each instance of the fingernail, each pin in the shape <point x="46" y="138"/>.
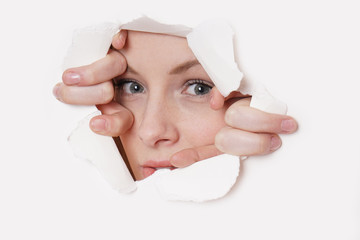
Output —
<point x="98" y="125"/>
<point x="288" y="125"/>
<point x="71" y="78"/>
<point x="275" y="143"/>
<point x="56" y="91"/>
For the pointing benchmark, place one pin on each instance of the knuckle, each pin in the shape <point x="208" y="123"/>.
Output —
<point x="107" y="92"/>
<point x="89" y="75"/>
<point x="220" y="139"/>
<point x="264" y="143"/>
<point x="230" y="116"/>
<point x="120" y="123"/>
<point x="119" y="63"/>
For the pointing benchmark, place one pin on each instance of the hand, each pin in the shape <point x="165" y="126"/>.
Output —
<point x="249" y="131"/>
<point x="92" y="85"/>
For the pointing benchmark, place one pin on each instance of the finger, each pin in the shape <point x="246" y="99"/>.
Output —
<point x="216" y="100"/>
<point x="115" y="121"/>
<point x="237" y="95"/>
<point x="254" y="120"/>
<point x="87" y="95"/>
<point x="105" y="69"/>
<point x="119" y="40"/>
<point x="189" y="156"/>
<point x="240" y="143"/>
<point x="111" y="108"/>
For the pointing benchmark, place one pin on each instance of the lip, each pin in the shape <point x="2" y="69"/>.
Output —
<point x="149" y="167"/>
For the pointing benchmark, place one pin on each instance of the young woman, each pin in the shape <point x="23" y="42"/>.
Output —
<point x="165" y="107"/>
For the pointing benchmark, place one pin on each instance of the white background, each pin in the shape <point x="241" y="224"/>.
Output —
<point x="307" y="53"/>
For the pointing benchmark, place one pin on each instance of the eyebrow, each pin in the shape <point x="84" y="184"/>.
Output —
<point x="183" y="67"/>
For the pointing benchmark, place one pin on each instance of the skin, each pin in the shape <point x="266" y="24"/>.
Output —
<point x="161" y="89"/>
<point x="249" y="131"/>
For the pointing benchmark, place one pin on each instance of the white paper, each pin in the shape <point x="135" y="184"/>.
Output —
<point x="203" y="181"/>
<point x="146" y="24"/>
<point x="90" y="44"/>
<point x="212" y="44"/>
<point x="103" y="153"/>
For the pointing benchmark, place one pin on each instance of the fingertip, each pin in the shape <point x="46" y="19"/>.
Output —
<point x="275" y="143"/>
<point x="116" y="41"/>
<point x="98" y="125"/>
<point x="184" y="158"/>
<point x="56" y="91"/>
<point x="289" y="125"/>
<point x="217" y="100"/>
<point x="123" y="36"/>
<point x="71" y="77"/>
<point x="219" y="140"/>
<point x="120" y="119"/>
<point x="119" y="39"/>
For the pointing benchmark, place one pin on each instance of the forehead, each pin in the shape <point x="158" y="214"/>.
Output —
<point x="156" y="46"/>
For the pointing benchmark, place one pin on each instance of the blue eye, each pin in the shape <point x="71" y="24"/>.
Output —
<point x="131" y="87"/>
<point x="197" y="87"/>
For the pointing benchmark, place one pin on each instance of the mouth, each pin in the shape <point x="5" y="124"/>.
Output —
<point x="151" y="166"/>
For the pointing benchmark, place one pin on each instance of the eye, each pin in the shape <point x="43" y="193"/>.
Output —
<point x="197" y="87"/>
<point x="130" y="87"/>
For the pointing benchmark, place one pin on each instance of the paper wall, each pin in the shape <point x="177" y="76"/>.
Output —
<point x="306" y="53"/>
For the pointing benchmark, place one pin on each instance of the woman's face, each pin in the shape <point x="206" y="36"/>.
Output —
<point x="168" y="92"/>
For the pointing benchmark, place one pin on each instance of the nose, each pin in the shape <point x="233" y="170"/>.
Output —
<point x="158" y="124"/>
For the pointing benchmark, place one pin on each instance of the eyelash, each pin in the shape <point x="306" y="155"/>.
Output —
<point x="205" y="86"/>
<point x="122" y="81"/>
<point x="119" y="84"/>
<point x="198" y="81"/>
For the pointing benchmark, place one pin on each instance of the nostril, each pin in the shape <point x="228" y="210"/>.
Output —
<point x="162" y="142"/>
<point x="158" y="136"/>
<point x="158" y="126"/>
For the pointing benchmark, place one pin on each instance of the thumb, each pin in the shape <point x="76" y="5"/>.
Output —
<point x="115" y="120"/>
<point x="189" y="156"/>
<point x="217" y="100"/>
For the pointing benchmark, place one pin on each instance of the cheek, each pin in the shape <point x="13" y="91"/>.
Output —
<point x="201" y="125"/>
<point x="130" y="139"/>
<point x="130" y="144"/>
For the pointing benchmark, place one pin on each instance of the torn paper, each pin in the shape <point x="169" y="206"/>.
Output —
<point x="103" y="153"/>
<point x="146" y="24"/>
<point x="88" y="45"/>
<point x="212" y="43"/>
<point x="203" y="181"/>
